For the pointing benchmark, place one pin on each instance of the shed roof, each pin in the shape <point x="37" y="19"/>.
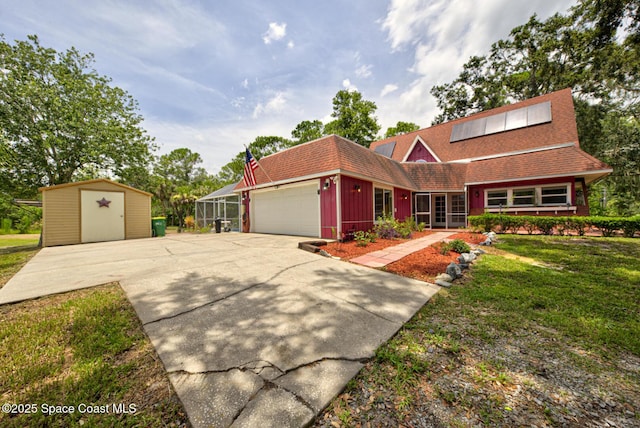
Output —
<point x="89" y="182"/>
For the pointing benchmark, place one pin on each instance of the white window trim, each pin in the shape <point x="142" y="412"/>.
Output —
<point x="538" y="197"/>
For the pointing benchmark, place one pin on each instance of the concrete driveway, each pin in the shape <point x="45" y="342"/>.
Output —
<point x="251" y="330"/>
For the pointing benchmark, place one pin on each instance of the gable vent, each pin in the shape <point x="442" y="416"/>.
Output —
<point x="508" y="121"/>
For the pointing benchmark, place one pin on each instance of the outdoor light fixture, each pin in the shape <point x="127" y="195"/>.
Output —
<point x="404" y="196"/>
<point x="327" y="184"/>
<point x="357" y="188"/>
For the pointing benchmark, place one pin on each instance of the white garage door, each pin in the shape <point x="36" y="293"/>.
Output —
<point x="290" y="210"/>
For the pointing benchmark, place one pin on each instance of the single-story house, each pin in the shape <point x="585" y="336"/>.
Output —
<point x="522" y="158"/>
<point x="93" y="211"/>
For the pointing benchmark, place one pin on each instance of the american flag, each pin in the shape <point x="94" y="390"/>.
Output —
<point x="250" y="165"/>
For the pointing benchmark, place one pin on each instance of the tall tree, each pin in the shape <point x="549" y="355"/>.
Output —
<point x="260" y="147"/>
<point x="354" y="118"/>
<point x="595" y="50"/>
<point x="307" y="130"/>
<point x="401" y="128"/>
<point x="60" y="119"/>
<point x="178" y="173"/>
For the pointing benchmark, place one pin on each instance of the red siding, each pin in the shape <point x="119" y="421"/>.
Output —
<point x="401" y="203"/>
<point x="356" y="206"/>
<point x="476" y="193"/>
<point x="420" y="152"/>
<point x="328" y="209"/>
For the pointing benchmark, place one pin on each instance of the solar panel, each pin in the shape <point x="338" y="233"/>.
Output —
<point x="514" y="119"/>
<point x="539" y="113"/>
<point x="386" y="149"/>
<point x="495" y="123"/>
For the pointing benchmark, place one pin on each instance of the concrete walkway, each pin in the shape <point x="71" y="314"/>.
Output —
<point x="251" y="330"/>
<point x="383" y="257"/>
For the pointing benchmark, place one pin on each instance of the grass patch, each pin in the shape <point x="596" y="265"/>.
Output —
<point x="85" y="348"/>
<point x="543" y="331"/>
<point x="13" y="257"/>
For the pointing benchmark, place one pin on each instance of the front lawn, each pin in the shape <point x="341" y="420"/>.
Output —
<point x="544" y="331"/>
<point x="81" y="358"/>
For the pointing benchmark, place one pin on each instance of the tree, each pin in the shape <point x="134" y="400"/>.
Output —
<point x="401" y="128"/>
<point x="180" y="167"/>
<point x="176" y="180"/>
<point x="307" y="130"/>
<point x="260" y="147"/>
<point x="595" y="50"/>
<point x="354" y="118"/>
<point x="60" y="119"/>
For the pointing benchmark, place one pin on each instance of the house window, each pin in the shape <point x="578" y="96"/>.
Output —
<point x="457" y="209"/>
<point x="524" y="197"/>
<point x="554" y="195"/>
<point x="382" y="203"/>
<point x="496" y="198"/>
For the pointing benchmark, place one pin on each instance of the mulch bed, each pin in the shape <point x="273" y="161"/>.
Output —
<point x="424" y="265"/>
<point x="350" y="250"/>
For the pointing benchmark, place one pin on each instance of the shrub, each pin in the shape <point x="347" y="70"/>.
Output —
<point x="457" y="245"/>
<point x="6" y="225"/>
<point x="189" y="222"/>
<point x="363" y="238"/>
<point x="388" y="227"/>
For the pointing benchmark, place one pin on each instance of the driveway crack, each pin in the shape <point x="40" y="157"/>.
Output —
<point x="213" y="302"/>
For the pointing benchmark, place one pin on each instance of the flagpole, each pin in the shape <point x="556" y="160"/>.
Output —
<point x="263" y="170"/>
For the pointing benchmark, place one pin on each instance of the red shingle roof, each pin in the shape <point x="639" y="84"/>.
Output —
<point x="505" y="156"/>
<point x="329" y="155"/>
<point x="561" y="129"/>
<point x="563" y="161"/>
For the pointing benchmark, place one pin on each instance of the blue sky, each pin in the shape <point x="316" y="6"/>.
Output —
<point x="213" y="75"/>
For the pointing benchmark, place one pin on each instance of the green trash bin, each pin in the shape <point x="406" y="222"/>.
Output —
<point x="158" y="226"/>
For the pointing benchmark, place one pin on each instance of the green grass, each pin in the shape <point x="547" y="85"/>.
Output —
<point x="83" y="348"/>
<point x="590" y="293"/>
<point x="569" y="299"/>
<point x="14" y="253"/>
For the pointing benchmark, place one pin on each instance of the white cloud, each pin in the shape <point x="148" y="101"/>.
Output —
<point x="245" y="83"/>
<point x="274" y="105"/>
<point x="442" y="35"/>
<point x="388" y="88"/>
<point x="364" y="71"/>
<point x="290" y="44"/>
<point x="346" y="83"/>
<point x="275" y="32"/>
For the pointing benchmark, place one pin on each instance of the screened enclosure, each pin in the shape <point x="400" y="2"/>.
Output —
<point x="222" y="204"/>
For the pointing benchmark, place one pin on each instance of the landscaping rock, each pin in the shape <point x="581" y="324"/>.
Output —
<point x="443" y="283"/>
<point x="466" y="257"/>
<point x="444" y="277"/>
<point x="454" y="270"/>
<point x="487" y="242"/>
<point x="478" y="252"/>
<point x="463" y="266"/>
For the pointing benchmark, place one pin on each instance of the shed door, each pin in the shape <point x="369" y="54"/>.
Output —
<point x="102" y="216"/>
<point x="291" y="210"/>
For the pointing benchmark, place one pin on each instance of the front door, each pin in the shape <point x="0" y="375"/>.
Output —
<point x="440" y="211"/>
